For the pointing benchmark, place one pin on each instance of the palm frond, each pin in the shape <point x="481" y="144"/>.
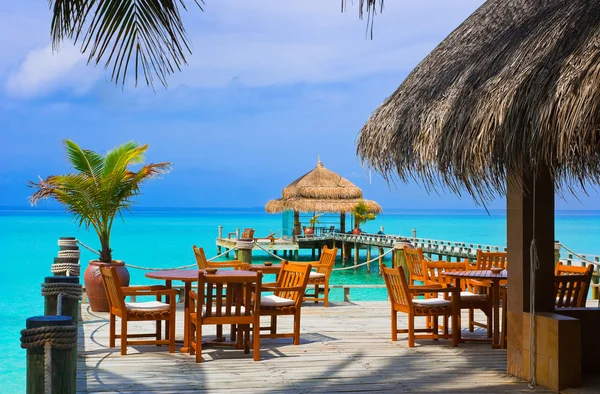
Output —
<point x="146" y="34"/>
<point x="370" y="8"/>
<point x="120" y="157"/>
<point x="86" y="161"/>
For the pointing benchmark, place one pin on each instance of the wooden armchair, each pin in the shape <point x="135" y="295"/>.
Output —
<point x="203" y="263"/>
<point x="228" y="299"/>
<point x="434" y="274"/>
<point x="562" y="269"/>
<point x="414" y="261"/>
<point x="401" y="297"/>
<point x="138" y="311"/>
<point x="571" y="289"/>
<point x="248" y="233"/>
<point x="321" y="276"/>
<point x="288" y="293"/>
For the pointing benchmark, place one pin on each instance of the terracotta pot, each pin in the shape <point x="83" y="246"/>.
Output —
<point x="94" y="287"/>
<point x="356" y="231"/>
<point x="309" y="231"/>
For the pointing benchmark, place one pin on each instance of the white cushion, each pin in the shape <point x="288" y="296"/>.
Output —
<point x="274" y="301"/>
<point x="223" y="311"/>
<point x="431" y="302"/>
<point x="315" y="275"/>
<point x="147" y="306"/>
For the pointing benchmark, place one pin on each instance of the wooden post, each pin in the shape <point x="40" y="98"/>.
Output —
<point x="343" y="222"/>
<point x="356" y="253"/>
<point x="295" y="254"/>
<point x="220" y="236"/>
<point x="70" y="306"/>
<point x="319" y="253"/>
<point x="312" y="254"/>
<point x="368" y="258"/>
<point x="63" y="364"/>
<point x="244" y="251"/>
<point x="297" y="228"/>
<point x="530" y="207"/>
<point x="400" y="259"/>
<point x="380" y="260"/>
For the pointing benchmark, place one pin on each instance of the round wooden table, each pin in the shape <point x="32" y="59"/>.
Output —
<point x="495" y="294"/>
<point x="187" y="277"/>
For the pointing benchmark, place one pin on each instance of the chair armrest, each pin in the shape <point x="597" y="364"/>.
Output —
<point x="275" y="288"/>
<point x="192" y="294"/>
<point x="220" y="263"/>
<point x="427" y="286"/>
<point x="428" y="289"/>
<point x="167" y="292"/>
<point x="482" y="283"/>
<point x="128" y="289"/>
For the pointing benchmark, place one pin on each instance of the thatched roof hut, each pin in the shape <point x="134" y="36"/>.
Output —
<point x="515" y="86"/>
<point x="320" y="190"/>
<point x="509" y="102"/>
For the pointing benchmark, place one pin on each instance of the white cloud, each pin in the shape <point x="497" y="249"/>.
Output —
<point x="44" y="70"/>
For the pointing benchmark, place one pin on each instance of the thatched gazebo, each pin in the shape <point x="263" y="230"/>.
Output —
<point x="320" y="190"/>
<point x="508" y="104"/>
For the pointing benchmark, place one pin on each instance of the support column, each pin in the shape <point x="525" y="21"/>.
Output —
<point x="297" y="229"/>
<point x="368" y="258"/>
<point x="530" y="207"/>
<point x="343" y="222"/>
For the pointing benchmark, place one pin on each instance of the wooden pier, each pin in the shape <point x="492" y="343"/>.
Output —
<point x="344" y="348"/>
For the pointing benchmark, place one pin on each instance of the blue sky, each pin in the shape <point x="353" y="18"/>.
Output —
<point x="268" y="88"/>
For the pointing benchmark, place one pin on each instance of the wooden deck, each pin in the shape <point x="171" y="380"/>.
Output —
<point x="345" y="348"/>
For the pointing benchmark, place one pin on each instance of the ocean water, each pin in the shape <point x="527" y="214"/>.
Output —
<point x="164" y="238"/>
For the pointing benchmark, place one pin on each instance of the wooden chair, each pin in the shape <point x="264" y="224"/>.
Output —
<point x="288" y="293"/>
<point x="401" y="297"/>
<point x="203" y="263"/>
<point x="414" y="261"/>
<point x="223" y="300"/>
<point x="248" y="233"/>
<point x="321" y="276"/>
<point x="434" y="274"/>
<point x="138" y="311"/>
<point x="571" y="289"/>
<point x="562" y="269"/>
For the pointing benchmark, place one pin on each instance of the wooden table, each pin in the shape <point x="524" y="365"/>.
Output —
<point x="266" y="269"/>
<point x="188" y="277"/>
<point x="495" y="294"/>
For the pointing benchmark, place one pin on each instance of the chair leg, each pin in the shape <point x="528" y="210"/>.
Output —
<point x="471" y="319"/>
<point x="158" y="330"/>
<point x="198" y="342"/>
<point x="316" y="293"/>
<point x="394" y="326"/>
<point x="455" y="329"/>
<point x="171" y="335"/>
<point x="326" y="294"/>
<point x="256" y="340"/>
<point x="297" y="328"/>
<point x="411" y="330"/>
<point x="123" y="336"/>
<point x="435" y="333"/>
<point x="489" y="323"/>
<point x="111" y="338"/>
<point x="273" y="324"/>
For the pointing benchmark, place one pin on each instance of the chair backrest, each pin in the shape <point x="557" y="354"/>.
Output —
<point x="434" y="271"/>
<point x="293" y="278"/>
<point x="562" y="269"/>
<point x="228" y="296"/>
<point x="397" y="288"/>
<point x="571" y="290"/>
<point x="327" y="260"/>
<point x="414" y="261"/>
<point x="200" y="257"/>
<point x="485" y="260"/>
<point x="112" y="286"/>
<point x="247" y="233"/>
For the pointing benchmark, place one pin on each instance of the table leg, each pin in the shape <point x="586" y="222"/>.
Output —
<point x="496" y="306"/>
<point x="458" y="322"/>
<point x="186" y="311"/>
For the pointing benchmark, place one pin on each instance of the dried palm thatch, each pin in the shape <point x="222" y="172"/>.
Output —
<point x="318" y="205"/>
<point x="516" y="87"/>
<point x="320" y="190"/>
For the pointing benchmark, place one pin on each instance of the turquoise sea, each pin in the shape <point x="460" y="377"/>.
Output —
<point x="164" y="238"/>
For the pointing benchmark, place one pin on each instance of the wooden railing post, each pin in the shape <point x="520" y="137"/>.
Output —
<point x="70" y="302"/>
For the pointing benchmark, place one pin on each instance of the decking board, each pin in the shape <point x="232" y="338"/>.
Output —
<point x="345" y="348"/>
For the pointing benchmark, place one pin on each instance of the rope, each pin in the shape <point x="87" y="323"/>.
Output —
<point x="74" y="254"/>
<point x="366" y="262"/>
<point x="177" y="268"/>
<point x="57" y="337"/>
<point x="69" y="269"/>
<point x="67" y="242"/>
<point x="88" y="248"/>
<point x="579" y="256"/>
<point x="268" y="251"/>
<point x="62" y="290"/>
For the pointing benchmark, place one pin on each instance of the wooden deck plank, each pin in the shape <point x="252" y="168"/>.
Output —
<point x="344" y="348"/>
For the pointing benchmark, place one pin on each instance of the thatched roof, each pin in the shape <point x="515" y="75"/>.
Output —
<point x="516" y="87"/>
<point x="320" y="190"/>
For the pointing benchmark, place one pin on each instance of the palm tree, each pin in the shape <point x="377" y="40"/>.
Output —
<point x="102" y="187"/>
<point x="148" y="34"/>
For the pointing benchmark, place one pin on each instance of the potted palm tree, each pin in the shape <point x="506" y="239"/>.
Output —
<point x="361" y="215"/>
<point x="310" y="230"/>
<point x="100" y="188"/>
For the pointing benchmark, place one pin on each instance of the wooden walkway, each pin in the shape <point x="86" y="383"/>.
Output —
<point x="345" y="348"/>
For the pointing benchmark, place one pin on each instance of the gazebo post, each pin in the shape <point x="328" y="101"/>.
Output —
<point x="297" y="229"/>
<point x="530" y="207"/>
<point x="343" y="222"/>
